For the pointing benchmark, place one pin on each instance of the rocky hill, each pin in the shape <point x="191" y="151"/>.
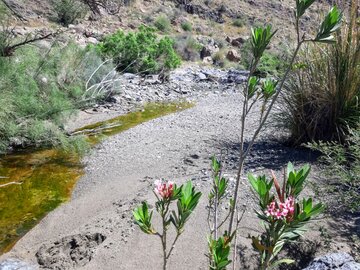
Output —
<point x="223" y="26"/>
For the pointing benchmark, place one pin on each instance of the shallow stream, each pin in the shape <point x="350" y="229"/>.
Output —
<point x="34" y="182"/>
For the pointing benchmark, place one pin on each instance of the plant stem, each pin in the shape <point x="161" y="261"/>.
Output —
<point x="163" y="240"/>
<point x="243" y="154"/>
<point x="216" y="205"/>
<point x="163" y="236"/>
<point x="243" y="122"/>
<point x="173" y="245"/>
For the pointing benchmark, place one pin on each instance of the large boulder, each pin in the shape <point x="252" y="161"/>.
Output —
<point x="339" y="261"/>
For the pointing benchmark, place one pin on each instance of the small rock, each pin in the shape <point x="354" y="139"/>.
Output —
<point x="15" y="264"/>
<point x="202" y="76"/>
<point x="209" y="49"/>
<point x="238" y="42"/>
<point x="233" y="56"/>
<point x="92" y="40"/>
<point x="207" y="60"/>
<point x="340" y="261"/>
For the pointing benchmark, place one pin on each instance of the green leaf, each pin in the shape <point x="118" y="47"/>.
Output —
<point x="143" y="218"/>
<point x="260" y="39"/>
<point x="302" y="6"/>
<point x="252" y="88"/>
<point x="268" y="88"/>
<point x="290" y="168"/>
<point x="254" y="183"/>
<point x="215" y="164"/>
<point x="330" y="24"/>
<point x="282" y="261"/>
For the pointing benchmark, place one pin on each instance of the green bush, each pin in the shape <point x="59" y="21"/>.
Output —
<point x="322" y="100"/>
<point x="140" y="51"/>
<point x="68" y="11"/>
<point x="186" y="26"/>
<point x="38" y="91"/>
<point x="162" y="23"/>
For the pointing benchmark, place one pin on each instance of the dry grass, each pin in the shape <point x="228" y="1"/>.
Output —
<point x="322" y="100"/>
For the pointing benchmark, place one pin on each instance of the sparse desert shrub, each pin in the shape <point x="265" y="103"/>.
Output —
<point x="322" y="100"/>
<point x="343" y="170"/>
<point x="239" y="23"/>
<point x="140" y="51"/>
<point x="162" y="23"/>
<point x="68" y="11"/>
<point x="187" y="47"/>
<point x="219" y="57"/>
<point x="186" y="26"/>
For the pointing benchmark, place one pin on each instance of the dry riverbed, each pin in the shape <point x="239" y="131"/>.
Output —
<point x="95" y="230"/>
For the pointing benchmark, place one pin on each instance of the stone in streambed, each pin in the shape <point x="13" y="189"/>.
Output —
<point x="339" y="261"/>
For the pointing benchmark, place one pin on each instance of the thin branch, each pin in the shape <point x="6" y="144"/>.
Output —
<point x="225" y="219"/>
<point x="239" y="218"/>
<point x="173" y="245"/>
<point x="10" y="183"/>
<point x="8" y="51"/>
<point x="243" y="122"/>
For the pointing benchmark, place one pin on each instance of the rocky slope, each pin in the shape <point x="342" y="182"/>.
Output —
<point x="226" y="22"/>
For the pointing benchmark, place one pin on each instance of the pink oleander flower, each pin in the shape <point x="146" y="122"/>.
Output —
<point x="164" y="190"/>
<point x="282" y="210"/>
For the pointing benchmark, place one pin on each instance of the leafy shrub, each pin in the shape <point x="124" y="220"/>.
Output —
<point x="186" y="26"/>
<point x="162" y="23"/>
<point x="68" y="11"/>
<point x="322" y="100"/>
<point x="140" y="51"/>
<point x="343" y="171"/>
<point x="284" y="214"/>
<point x="187" y="47"/>
<point x="38" y="91"/>
<point x="167" y="193"/>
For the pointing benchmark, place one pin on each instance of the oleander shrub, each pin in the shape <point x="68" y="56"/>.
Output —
<point x="322" y="100"/>
<point x="140" y="52"/>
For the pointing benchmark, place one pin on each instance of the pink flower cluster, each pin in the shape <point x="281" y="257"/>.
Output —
<point x="164" y="190"/>
<point x="282" y="210"/>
